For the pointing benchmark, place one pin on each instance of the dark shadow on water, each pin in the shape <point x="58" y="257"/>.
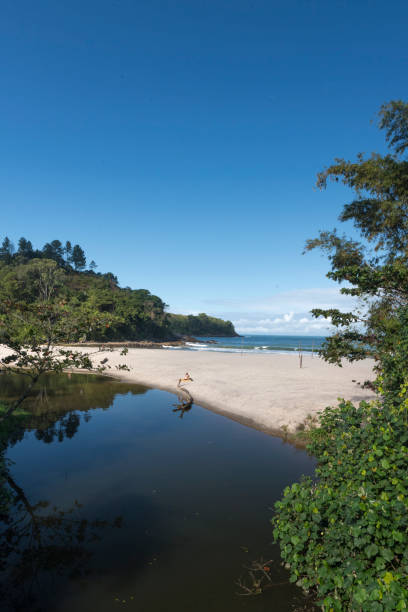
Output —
<point x="42" y="546"/>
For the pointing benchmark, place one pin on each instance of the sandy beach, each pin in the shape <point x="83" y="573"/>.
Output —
<point x="266" y="392"/>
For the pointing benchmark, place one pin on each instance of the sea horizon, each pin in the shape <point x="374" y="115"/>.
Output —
<point x="254" y="343"/>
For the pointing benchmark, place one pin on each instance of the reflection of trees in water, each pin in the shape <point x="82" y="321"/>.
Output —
<point x="40" y="543"/>
<point x="54" y="407"/>
<point x="83" y="392"/>
<point x="64" y="427"/>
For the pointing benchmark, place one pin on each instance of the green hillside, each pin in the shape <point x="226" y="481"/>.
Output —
<point x="200" y="325"/>
<point x="60" y="272"/>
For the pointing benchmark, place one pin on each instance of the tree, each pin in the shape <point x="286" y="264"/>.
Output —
<point x="45" y="277"/>
<point x="344" y="535"/>
<point x="78" y="257"/>
<point x="33" y="332"/>
<point x="31" y="281"/>
<point x="133" y="314"/>
<point x="25" y="248"/>
<point x="6" y="250"/>
<point x="92" y="266"/>
<point x="374" y="269"/>
<point x="54" y="250"/>
<point x="68" y="252"/>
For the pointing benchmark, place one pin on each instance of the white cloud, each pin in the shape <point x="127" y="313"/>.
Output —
<point x="287" y="312"/>
<point x="295" y="301"/>
<point x="285" y="324"/>
<point x="283" y="313"/>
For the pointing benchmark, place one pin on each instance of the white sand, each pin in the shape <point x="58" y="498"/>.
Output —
<point x="267" y="392"/>
<point x="263" y="391"/>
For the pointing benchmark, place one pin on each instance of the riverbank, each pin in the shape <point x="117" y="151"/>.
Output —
<point x="268" y="392"/>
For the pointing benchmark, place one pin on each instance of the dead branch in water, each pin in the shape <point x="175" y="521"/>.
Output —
<point x="257" y="578"/>
<point x="186" y="402"/>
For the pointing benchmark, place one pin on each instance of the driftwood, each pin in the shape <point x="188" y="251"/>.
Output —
<point x="185" y="398"/>
<point x="257" y="578"/>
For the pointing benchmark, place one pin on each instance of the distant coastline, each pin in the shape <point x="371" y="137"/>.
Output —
<point x="258" y="344"/>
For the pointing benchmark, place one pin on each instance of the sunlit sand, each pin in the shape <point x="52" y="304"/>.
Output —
<point x="267" y="392"/>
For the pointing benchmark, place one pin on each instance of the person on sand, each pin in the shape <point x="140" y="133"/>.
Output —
<point x="187" y="378"/>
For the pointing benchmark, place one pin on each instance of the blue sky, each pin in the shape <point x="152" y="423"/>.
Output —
<point x="178" y="141"/>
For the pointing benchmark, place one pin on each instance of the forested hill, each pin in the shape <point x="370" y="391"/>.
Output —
<point x="201" y="325"/>
<point x="60" y="272"/>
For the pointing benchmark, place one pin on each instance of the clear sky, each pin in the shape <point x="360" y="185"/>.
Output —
<point x="178" y="141"/>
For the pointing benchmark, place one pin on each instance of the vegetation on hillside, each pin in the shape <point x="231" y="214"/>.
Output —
<point x="200" y="325"/>
<point x="29" y="277"/>
<point x="58" y="273"/>
<point x="345" y="535"/>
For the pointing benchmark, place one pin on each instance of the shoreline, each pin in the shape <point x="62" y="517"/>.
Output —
<point x="268" y="392"/>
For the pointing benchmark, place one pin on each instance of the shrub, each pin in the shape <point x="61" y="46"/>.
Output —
<point x="345" y="534"/>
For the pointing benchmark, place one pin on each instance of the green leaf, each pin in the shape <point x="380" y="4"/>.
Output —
<point x="360" y="594"/>
<point x="387" y="554"/>
<point x="371" y="550"/>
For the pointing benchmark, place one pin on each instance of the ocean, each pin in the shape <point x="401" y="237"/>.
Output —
<point x="255" y="344"/>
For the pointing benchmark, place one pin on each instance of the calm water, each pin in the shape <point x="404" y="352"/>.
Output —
<point x="255" y="343"/>
<point x="140" y="509"/>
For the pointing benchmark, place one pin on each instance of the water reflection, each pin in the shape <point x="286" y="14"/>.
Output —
<point x="195" y="496"/>
<point x="39" y="543"/>
<point x="184" y="405"/>
<point x="55" y="405"/>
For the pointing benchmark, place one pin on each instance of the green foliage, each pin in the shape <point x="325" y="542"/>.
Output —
<point x="200" y="325"/>
<point x="394" y="360"/>
<point x="33" y="334"/>
<point x="6" y="250"/>
<point x="394" y="119"/>
<point x="54" y="250"/>
<point x="28" y="276"/>
<point x="25" y="249"/>
<point x="345" y="535"/>
<point x="374" y="270"/>
<point x="78" y="257"/>
<point x="130" y="314"/>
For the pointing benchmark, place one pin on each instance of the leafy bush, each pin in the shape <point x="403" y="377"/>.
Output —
<point x="345" y="535"/>
<point x="394" y="358"/>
